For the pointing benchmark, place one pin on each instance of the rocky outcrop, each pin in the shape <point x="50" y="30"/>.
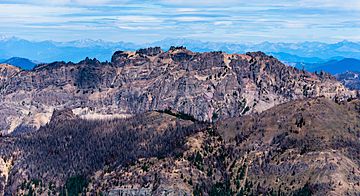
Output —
<point x="6" y="72"/>
<point x="149" y="51"/>
<point x="59" y="116"/>
<point x="208" y="86"/>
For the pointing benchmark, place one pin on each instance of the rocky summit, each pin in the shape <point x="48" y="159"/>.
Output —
<point x="207" y="86"/>
<point x="177" y="122"/>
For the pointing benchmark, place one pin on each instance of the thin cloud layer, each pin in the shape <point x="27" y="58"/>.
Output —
<point x="146" y="21"/>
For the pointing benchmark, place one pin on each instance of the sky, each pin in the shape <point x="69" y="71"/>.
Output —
<point x="144" y="21"/>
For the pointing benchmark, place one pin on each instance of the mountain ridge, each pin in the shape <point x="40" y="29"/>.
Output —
<point x="206" y="86"/>
<point x="22" y="63"/>
<point x="100" y="49"/>
<point x="335" y="66"/>
<point x="155" y="122"/>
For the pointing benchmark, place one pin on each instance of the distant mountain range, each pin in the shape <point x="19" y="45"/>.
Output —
<point x="317" y="50"/>
<point x="20" y="62"/>
<point x="49" y="51"/>
<point x="332" y="66"/>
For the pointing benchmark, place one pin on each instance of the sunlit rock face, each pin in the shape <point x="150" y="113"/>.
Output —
<point x="207" y="86"/>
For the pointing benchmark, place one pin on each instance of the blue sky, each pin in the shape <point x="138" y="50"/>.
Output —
<point x="143" y="21"/>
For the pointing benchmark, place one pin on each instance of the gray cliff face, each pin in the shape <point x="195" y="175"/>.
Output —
<point x="7" y="72"/>
<point x="207" y="86"/>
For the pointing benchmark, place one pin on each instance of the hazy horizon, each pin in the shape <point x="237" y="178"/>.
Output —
<point x="8" y="37"/>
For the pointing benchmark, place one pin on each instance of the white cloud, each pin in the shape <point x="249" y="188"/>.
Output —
<point x="138" y="19"/>
<point x="20" y="14"/>
<point x="186" y="10"/>
<point x="70" y="2"/>
<point x="190" y="19"/>
<point x="338" y="4"/>
<point x="223" y="23"/>
<point x="210" y="19"/>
